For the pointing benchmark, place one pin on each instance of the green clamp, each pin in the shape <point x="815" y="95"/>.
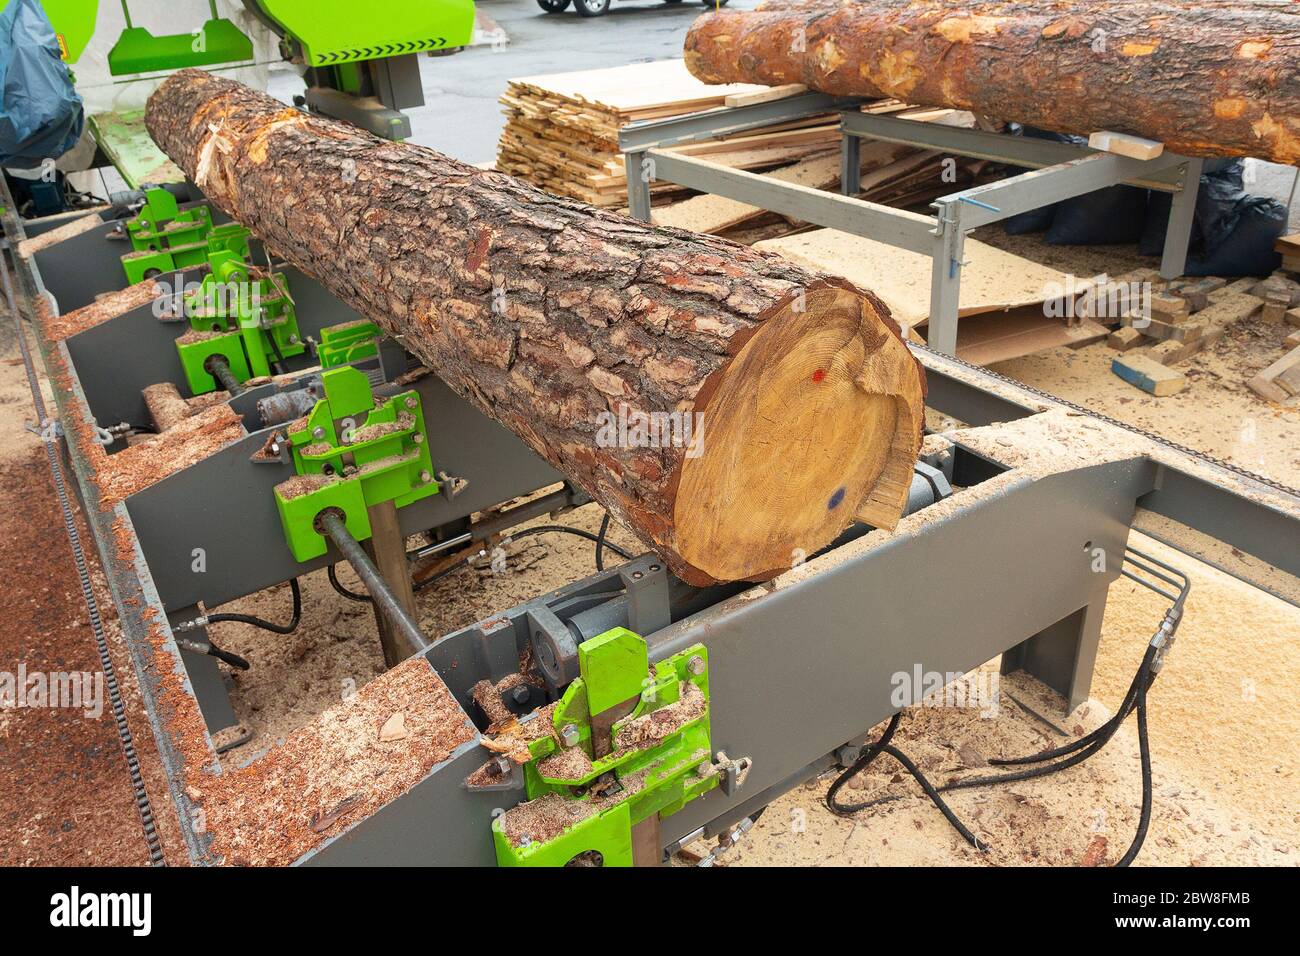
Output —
<point x="651" y="765"/>
<point x="165" y="238"/>
<point x="348" y="342"/>
<point x="249" y="321"/>
<point x="350" y="453"/>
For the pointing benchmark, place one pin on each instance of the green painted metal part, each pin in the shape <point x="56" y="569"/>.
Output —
<point x="339" y="31"/>
<point x="73" y="22"/>
<point x="126" y="143"/>
<point x="364" y="453"/>
<point x="234" y="311"/>
<point x="214" y="42"/>
<point x="165" y="238"/>
<point x="347" y="342"/>
<point x="660" y="778"/>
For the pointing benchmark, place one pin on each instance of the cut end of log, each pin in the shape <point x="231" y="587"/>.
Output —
<point x="815" y="423"/>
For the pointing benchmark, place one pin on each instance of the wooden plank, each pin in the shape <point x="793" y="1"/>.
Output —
<point x="1123" y="144"/>
<point x="764" y="96"/>
<point x="1276" y="383"/>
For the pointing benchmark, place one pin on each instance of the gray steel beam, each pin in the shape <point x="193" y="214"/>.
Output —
<point x="724" y="121"/>
<point x="897" y="227"/>
<point x="979" y="144"/>
<point x="1004" y="198"/>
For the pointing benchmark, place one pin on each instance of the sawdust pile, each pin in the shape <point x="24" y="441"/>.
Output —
<point x="102" y="309"/>
<point x="141" y="465"/>
<point x="336" y="770"/>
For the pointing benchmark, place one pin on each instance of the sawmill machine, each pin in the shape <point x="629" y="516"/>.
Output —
<point x="639" y="712"/>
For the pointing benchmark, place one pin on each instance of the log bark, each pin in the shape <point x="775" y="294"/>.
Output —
<point x="562" y="322"/>
<point x="1203" y="77"/>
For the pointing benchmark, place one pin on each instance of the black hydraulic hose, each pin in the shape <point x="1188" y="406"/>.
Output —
<point x="1144" y="746"/>
<point x="601" y="544"/>
<point x="1068" y="755"/>
<point x="868" y="755"/>
<point x="264" y="624"/>
<point x="332" y="573"/>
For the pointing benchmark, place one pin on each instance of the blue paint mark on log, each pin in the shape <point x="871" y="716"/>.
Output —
<point x="835" y="500"/>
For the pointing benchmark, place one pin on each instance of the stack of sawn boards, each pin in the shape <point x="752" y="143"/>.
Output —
<point x="561" y="134"/>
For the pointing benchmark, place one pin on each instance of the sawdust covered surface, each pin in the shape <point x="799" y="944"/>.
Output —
<point x="69" y="230"/>
<point x="335" y="771"/>
<point x="570" y="764"/>
<point x="649" y="730"/>
<point x="136" y="468"/>
<point x="101" y="310"/>
<point x="544" y="818"/>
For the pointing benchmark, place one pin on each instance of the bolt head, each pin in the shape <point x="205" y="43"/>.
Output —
<point x="417" y="438"/>
<point x="318" y="432"/>
<point x="425" y="477"/>
<point x="696" y="665"/>
<point x="569" y="735"/>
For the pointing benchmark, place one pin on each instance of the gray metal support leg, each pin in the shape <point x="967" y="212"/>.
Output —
<point x="639" y="176"/>
<point x="205" y="676"/>
<point x="1182" y="211"/>
<point x="1063" y="655"/>
<point x="850" y="164"/>
<point x="945" y="280"/>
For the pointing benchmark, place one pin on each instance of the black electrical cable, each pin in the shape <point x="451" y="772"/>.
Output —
<point x="601" y="544"/>
<point x="565" y="529"/>
<point x="267" y="625"/>
<point x="1074" y="753"/>
<point x="439" y="576"/>
<point x="332" y="574"/>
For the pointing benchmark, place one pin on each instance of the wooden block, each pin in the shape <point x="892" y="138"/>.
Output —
<point x="1123" y="144"/>
<point x="1266" y="384"/>
<point x="1126" y="338"/>
<point x="1168" y="307"/>
<point x="764" y="96"/>
<point x="1172" y="351"/>
<point x="1162" y="330"/>
<point x="1275" y="309"/>
<point x="1293" y="316"/>
<point x="1149" y="375"/>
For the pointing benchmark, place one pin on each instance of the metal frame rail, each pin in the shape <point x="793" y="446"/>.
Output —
<point x="1058" y="171"/>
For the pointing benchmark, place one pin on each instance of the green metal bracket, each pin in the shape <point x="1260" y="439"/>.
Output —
<point x="165" y="238"/>
<point x="236" y="311"/>
<point x="633" y="781"/>
<point x="348" y="342"/>
<point x="216" y="41"/>
<point x="349" y="453"/>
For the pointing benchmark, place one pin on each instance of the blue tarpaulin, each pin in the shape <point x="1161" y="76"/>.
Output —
<point x="41" y="115"/>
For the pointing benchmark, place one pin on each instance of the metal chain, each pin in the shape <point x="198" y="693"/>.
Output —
<point x="50" y="438"/>
<point x="1082" y="409"/>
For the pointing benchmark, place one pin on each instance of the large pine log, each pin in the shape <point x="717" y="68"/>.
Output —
<point x="1206" y="78"/>
<point x="550" y="315"/>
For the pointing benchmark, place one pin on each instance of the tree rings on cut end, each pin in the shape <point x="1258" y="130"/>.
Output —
<point x="816" y="422"/>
